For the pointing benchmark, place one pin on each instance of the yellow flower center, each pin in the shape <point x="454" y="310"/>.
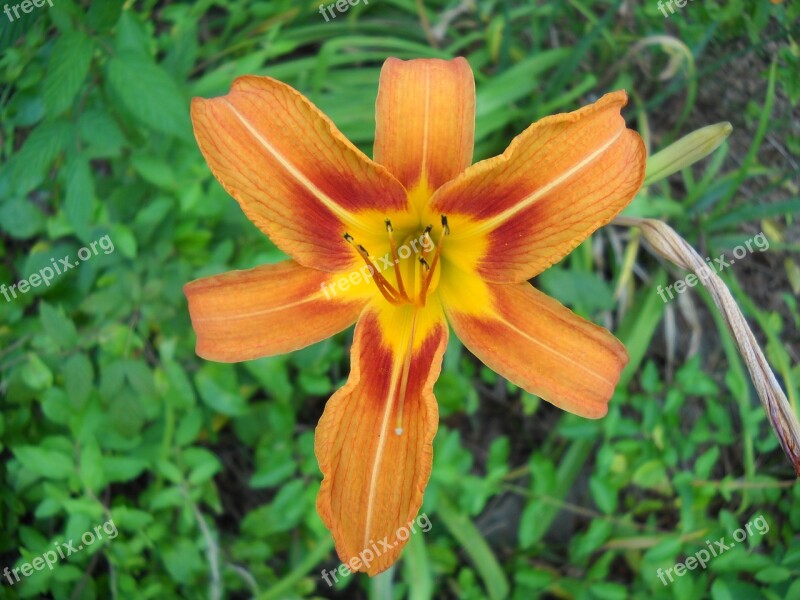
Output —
<point x="414" y="265"/>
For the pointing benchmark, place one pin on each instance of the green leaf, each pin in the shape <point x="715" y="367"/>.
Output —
<point x="50" y="464"/>
<point x="122" y="468"/>
<point x="603" y="493"/>
<point x="68" y="67"/>
<point x="124" y="240"/>
<point x="101" y="134"/>
<point x="149" y="94"/>
<point x="651" y="475"/>
<point x="183" y="560"/>
<point x="11" y="31"/>
<point x="36" y="374"/>
<point x="103" y="15"/>
<point x="21" y="218"/>
<point x="131" y="35"/>
<point x="639" y="326"/>
<point x="204" y="471"/>
<point x="91" y="466"/>
<point x="577" y="288"/>
<point x="78" y="379"/>
<point x="79" y="202"/>
<point x="773" y="574"/>
<point x="417" y="569"/>
<point x="60" y="329"/>
<point x="28" y="168"/>
<point x="214" y="395"/>
<point x="479" y="552"/>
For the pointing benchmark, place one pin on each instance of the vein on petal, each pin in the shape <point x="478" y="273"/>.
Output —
<point x="565" y="357"/>
<point x="493" y="222"/>
<point x="265" y="311"/>
<point x="326" y="200"/>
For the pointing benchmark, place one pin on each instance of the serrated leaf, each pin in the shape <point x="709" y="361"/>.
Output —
<point x="60" y="329"/>
<point x="78" y="379"/>
<point x="103" y="15"/>
<point x="67" y="70"/>
<point x="149" y="94"/>
<point x="28" y="167"/>
<point x="122" y="468"/>
<point x="44" y="462"/>
<point x="36" y="374"/>
<point x="79" y="201"/>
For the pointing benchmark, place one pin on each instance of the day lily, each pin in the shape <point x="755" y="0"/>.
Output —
<point x="487" y="229"/>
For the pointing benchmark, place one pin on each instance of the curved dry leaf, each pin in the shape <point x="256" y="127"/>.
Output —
<point x="668" y="244"/>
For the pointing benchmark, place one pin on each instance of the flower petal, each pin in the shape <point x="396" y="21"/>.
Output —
<point x="269" y="310"/>
<point x="296" y="177"/>
<point x="425" y="120"/>
<point x="539" y="345"/>
<point x="374" y="478"/>
<point x="560" y="180"/>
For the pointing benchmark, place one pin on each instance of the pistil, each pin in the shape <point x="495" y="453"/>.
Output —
<point x="401" y="397"/>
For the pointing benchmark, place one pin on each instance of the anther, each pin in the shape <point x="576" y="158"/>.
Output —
<point x="428" y="229"/>
<point x="389" y="227"/>
<point x="424" y="263"/>
<point x="384" y="286"/>
<point x="445" y="225"/>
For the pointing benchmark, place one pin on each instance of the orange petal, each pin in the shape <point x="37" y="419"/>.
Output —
<point x="374" y="478"/>
<point x="559" y="181"/>
<point x="296" y="177"/>
<point x="539" y="345"/>
<point x="425" y="120"/>
<point x="269" y="310"/>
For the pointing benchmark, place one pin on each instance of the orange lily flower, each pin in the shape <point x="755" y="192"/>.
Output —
<point x="402" y="245"/>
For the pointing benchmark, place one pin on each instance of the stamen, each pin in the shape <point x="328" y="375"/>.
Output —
<point x="383" y="285"/>
<point x="393" y="245"/>
<point x="399" y="296"/>
<point x="426" y="283"/>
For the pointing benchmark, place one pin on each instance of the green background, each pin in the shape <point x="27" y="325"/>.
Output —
<point x="208" y="470"/>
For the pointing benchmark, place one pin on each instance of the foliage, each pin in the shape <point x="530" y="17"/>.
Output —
<point x="208" y="470"/>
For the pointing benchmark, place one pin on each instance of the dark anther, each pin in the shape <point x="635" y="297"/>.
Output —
<point x="389" y="227"/>
<point x="348" y="237"/>
<point x="445" y="225"/>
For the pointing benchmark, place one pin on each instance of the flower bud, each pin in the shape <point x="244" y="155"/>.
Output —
<point x="686" y="151"/>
